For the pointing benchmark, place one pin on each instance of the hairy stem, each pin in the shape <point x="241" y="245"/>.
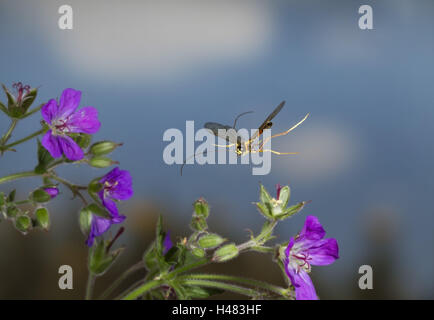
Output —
<point x="90" y="284"/>
<point x="138" y="266"/>
<point x="37" y="133"/>
<point x="18" y="175"/>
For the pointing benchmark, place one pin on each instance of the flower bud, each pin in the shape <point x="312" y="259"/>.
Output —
<point x="12" y="211"/>
<point x="23" y="223"/>
<point x="103" y="147"/>
<point x="42" y="218"/>
<point x="40" y="195"/>
<point x="198" y="223"/>
<point x="201" y="208"/>
<point x="210" y="241"/>
<point x="198" y="252"/>
<point x="101" y="162"/>
<point x="52" y="191"/>
<point x="85" y="220"/>
<point x="226" y="253"/>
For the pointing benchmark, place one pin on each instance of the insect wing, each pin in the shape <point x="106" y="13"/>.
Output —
<point x="223" y="132"/>
<point x="267" y="123"/>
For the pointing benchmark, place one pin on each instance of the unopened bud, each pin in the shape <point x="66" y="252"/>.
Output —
<point x="103" y="147"/>
<point x="226" y="253"/>
<point x="43" y="218"/>
<point x="210" y="241"/>
<point x="23" y="223"/>
<point x="101" y="162"/>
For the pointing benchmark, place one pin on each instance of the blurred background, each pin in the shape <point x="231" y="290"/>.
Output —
<point x="366" y="151"/>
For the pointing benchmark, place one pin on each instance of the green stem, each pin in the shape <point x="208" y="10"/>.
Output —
<point x="142" y="289"/>
<point x="221" y="285"/>
<point x="90" y="284"/>
<point x="138" y="266"/>
<point x="18" y="176"/>
<point x="74" y="188"/>
<point x="250" y="282"/>
<point x="37" y="133"/>
<point x="8" y="133"/>
<point x="186" y="268"/>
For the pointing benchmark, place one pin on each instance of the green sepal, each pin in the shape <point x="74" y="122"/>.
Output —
<point x="42" y="218"/>
<point x="40" y="196"/>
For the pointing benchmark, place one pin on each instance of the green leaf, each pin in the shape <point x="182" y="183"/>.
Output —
<point x="43" y="218"/>
<point x="44" y="159"/>
<point x="40" y="196"/>
<point x="2" y="199"/>
<point x="150" y="258"/>
<point x="82" y="139"/>
<point x="23" y="223"/>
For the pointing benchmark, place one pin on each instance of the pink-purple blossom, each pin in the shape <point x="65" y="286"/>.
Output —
<point x="52" y="191"/>
<point x="63" y="118"/>
<point x="307" y="249"/>
<point x="116" y="185"/>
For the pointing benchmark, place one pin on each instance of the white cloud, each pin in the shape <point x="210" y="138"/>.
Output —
<point x="157" y="39"/>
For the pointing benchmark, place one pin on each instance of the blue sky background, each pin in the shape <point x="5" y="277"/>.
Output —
<point x="366" y="152"/>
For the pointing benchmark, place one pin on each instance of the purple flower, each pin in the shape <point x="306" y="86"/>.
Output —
<point x="116" y="185"/>
<point x="308" y="248"/>
<point x="167" y="243"/>
<point x="52" y="191"/>
<point x="64" y="118"/>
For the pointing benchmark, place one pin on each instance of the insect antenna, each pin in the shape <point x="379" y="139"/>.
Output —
<point x="240" y="115"/>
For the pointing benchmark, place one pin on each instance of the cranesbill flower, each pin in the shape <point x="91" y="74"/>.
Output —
<point x="52" y="191"/>
<point x="116" y="185"/>
<point x="307" y="249"/>
<point x="63" y="118"/>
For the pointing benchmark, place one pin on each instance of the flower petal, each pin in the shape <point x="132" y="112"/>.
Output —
<point x="122" y="184"/>
<point x="98" y="227"/>
<point x="167" y="243"/>
<point x="312" y="229"/>
<point x="110" y="205"/>
<point x="84" y="120"/>
<point x="49" y="110"/>
<point x="70" y="148"/>
<point x="324" y="252"/>
<point x="51" y="143"/>
<point x="69" y="101"/>
<point x="306" y="290"/>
